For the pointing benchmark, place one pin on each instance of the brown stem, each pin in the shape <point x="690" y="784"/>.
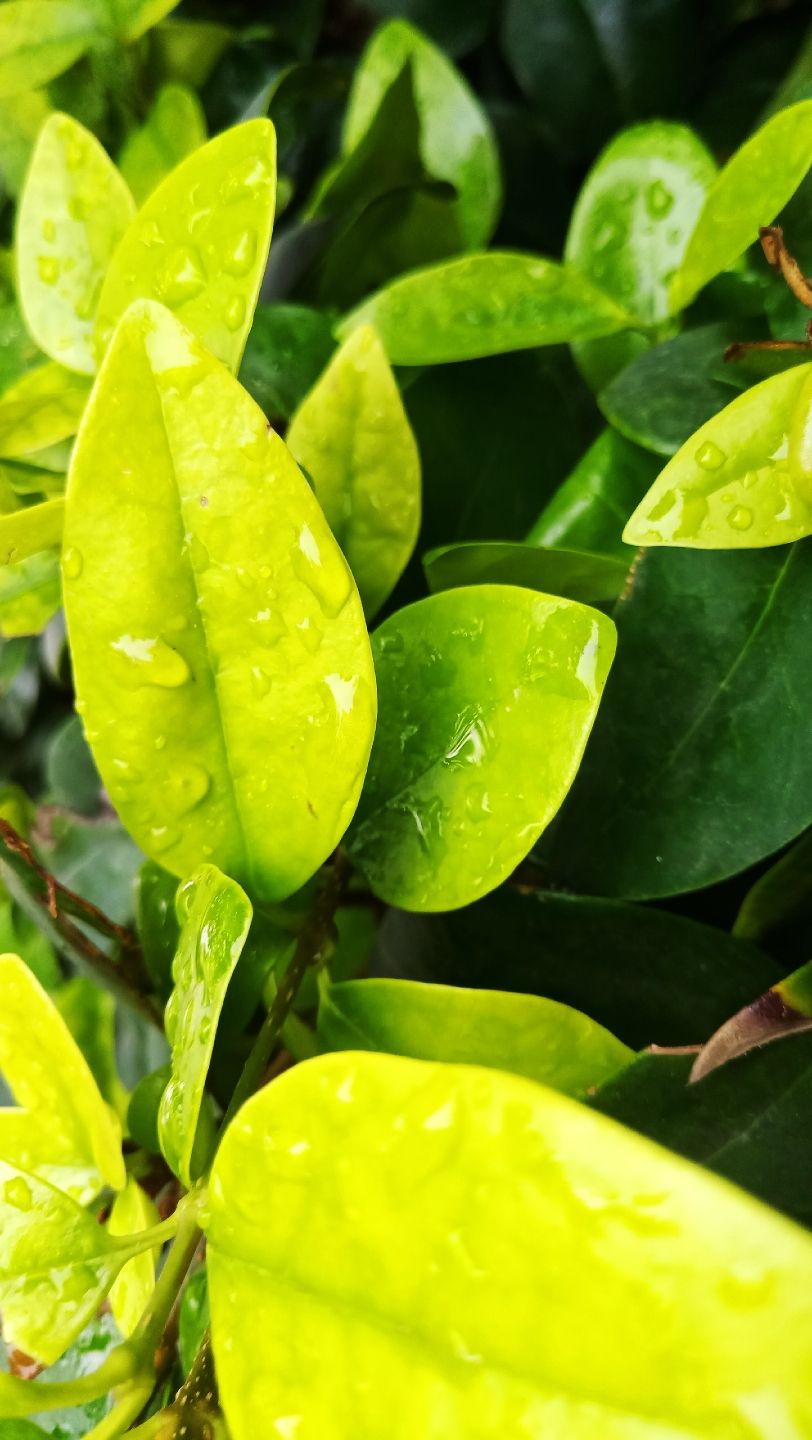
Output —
<point x="779" y="257"/>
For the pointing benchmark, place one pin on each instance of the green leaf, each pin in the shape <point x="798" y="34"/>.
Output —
<point x="18" y="353"/>
<point x="589" y="509"/>
<point x="229" y="614"/>
<point x="131" y="18"/>
<point x="40" y="409"/>
<point x="755" y="184"/>
<point x="648" y="976"/>
<point x="158" y="928"/>
<point x="173" y="129"/>
<point x="352" y="438"/>
<point x="697" y="767"/>
<point x="484" y="305"/>
<point x="63" y="1130"/>
<point x="24" y="938"/>
<point x="21" y="119"/>
<point x="287" y="350"/>
<point x="194" y="1317"/>
<point x="560" y="1272"/>
<point x="95" y="858"/>
<point x="468" y="680"/>
<point x="782" y="894"/>
<point x="40" y="39"/>
<point x="188" y="50"/>
<point x="785" y="1009"/>
<point x="27" y="531"/>
<point x="200" y="242"/>
<point x="76" y="1380"/>
<point x="71" y="776"/>
<point x="456" y="140"/>
<point x="74" y="209"/>
<point x="215" y="917"/>
<point x="90" y="1014"/>
<point x="575" y="574"/>
<point x="743" y="480"/>
<point x="30" y="594"/>
<point x="522" y="1034"/>
<point x="132" y="1211"/>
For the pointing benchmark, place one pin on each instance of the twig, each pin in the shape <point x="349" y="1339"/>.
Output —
<point x="779" y="257"/>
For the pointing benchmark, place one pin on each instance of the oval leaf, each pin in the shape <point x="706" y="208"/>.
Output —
<point x="39" y="410"/>
<point x="219" y="647"/>
<point x="589" y="509"/>
<point x="30" y="594"/>
<point x="575" y="574"/>
<point x="41" y="38"/>
<point x="132" y="1211"/>
<point x="562" y="1275"/>
<point x="484" y="305"/>
<point x="173" y="129"/>
<point x="734" y="484"/>
<point x="755" y="184"/>
<point x="27" y="531"/>
<point x="74" y="209"/>
<point x="352" y="438"/>
<point x="200" y="243"/>
<point x="216" y="916"/>
<point x="523" y="1034"/>
<point x="470" y="680"/>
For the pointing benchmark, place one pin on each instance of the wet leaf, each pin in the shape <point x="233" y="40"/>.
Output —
<point x="158" y="929"/>
<point x="63" y="1130"/>
<point x="40" y="39"/>
<point x="755" y="184"/>
<point x="215" y="916"/>
<point x="25" y="532"/>
<point x="591" y="506"/>
<point x="484" y="305"/>
<point x="132" y="1211"/>
<point x="647" y="1314"/>
<point x="74" y="209"/>
<point x="194" y="1317"/>
<point x="469" y="679"/>
<point x="743" y="480"/>
<point x="352" y="438"/>
<point x="40" y="409"/>
<point x="200" y="242"/>
<point x="240" y="584"/>
<point x="173" y="129"/>
<point x="523" y="1034"/>
<point x="575" y="574"/>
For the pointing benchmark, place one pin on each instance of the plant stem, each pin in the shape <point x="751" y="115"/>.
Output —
<point x="315" y="937"/>
<point x="147" y="1336"/>
<point x="125" y="1410"/>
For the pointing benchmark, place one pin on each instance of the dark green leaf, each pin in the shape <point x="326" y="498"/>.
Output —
<point x="592" y="505"/>
<point x="72" y="777"/>
<point x="781" y="895"/>
<point x="288" y="347"/>
<point x="575" y="574"/>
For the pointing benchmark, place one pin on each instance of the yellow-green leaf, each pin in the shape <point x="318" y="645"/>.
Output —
<point x="42" y="408"/>
<point x="21" y="119"/>
<point x="200" y="242"/>
<point x="74" y="209"/>
<point x="174" y="127"/>
<point x="219" y="646"/>
<point x="30" y="594"/>
<point x="352" y="437"/>
<point x="41" y="38"/>
<point x="131" y="18"/>
<point x="480" y="1256"/>
<point x="33" y="528"/>
<point x="62" y="1130"/>
<point x="132" y="1211"/>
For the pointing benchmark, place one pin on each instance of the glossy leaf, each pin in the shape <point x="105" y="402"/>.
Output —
<point x="575" y="574"/>
<point x="132" y="1211"/>
<point x="173" y="129"/>
<point x="42" y="408"/>
<point x="697" y="767"/>
<point x="71" y="1394"/>
<point x="352" y="438"/>
<point x="41" y="38"/>
<point x="484" y="305"/>
<point x="215" y="915"/>
<point x="30" y="594"/>
<point x="287" y="350"/>
<point x="63" y="1130"/>
<point x="755" y="184"/>
<point x="779" y="896"/>
<point x="647" y="1314"/>
<point x="743" y="480"/>
<point x="158" y="929"/>
<point x="523" y="1034"/>
<point x="194" y="1317"/>
<point x="74" y="209"/>
<point x="456" y="141"/>
<point x="200" y="242"/>
<point x="648" y="976"/>
<point x="27" y="531"/>
<point x="589" y="509"/>
<point x="179" y="673"/>
<point x="468" y="680"/>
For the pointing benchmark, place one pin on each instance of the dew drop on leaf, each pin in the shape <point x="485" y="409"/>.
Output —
<point x="659" y="200"/>
<point x="72" y="563"/>
<point x="241" y="253"/>
<point x="710" y="457"/>
<point x="17" y="1192"/>
<point x="48" y="269"/>
<point x="740" y="517"/>
<point x="153" y="662"/>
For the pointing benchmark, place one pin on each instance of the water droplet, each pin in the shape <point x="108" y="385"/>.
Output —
<point x="709" y="456"/>
<point x="77" y="208"/>
<point x="17" y="1192"/>
<point x="72" y="563"/>
<point x="48" y="229"/>
<point x="243" y="179"/>
<point x="160" y="742"/>
<point x="608" y="237"/>
<point x="153" y="661"/>
<point x="204" y="1031"/>
<point x="48" y="269"/>
<point x="185" y="787"/>
<point x="74" y="149"/>
<point x="659" y="200"/>
<point x="746" y="1285"/>
<point x="198" y="554"/>
<point x="235" y="313"/>
<point x="310" y="634"/>
<point x="85" y="307"/>
<point x="182" y="277"/>
<point x="162" y="838"/>
<point x="260" y="682"/>
<point x="740" y="517"/>
<point x="240" y="253"/>
<point x="324" y="572"/>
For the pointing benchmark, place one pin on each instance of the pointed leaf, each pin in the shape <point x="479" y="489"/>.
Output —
<point x="781" y="895"/>
<point x="216" y="916"/>
<point x="42" y="408"/>
<point x="575" y="574"/>
<point x="131" y="18"/>
<point x="287" y="350"/>
<point x="200" y="242"/>
<point x="785" y="1009"/>
<point x="484" y="305"/>
<point x="523" y="1034"/>
<point x="742" y="480"/>
<point x="173" y="129"/>
<point x="469" y="680"/>
<point x="132" y="1211"/>
<point x="63" y="1129"/>
<point x="562" y="1275"/>
<point x="34" y="528"/>
<point x="73" y="211"/>
<point x="589" y="509"/>
<point x="352" y="437"/>
<point x="218" y="642"/>
<point x="755" y="184"/>
<point x="41" y="38"/>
